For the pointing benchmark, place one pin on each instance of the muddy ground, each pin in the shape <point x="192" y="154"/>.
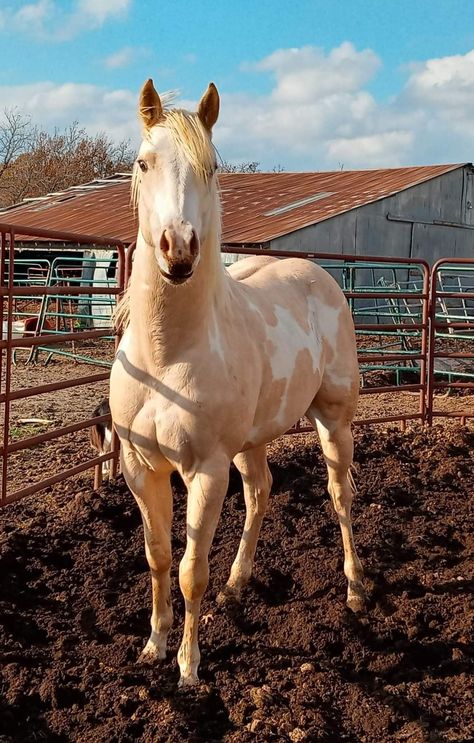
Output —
<point x="292" y="664"/>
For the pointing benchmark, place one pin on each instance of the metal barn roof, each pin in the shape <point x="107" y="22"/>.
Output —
<point x="257" y="207"/>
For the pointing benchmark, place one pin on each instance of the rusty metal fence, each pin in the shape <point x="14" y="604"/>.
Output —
<point x="399" y="308"/>
<point x="451" y="338"/>
<point x="11" y="291"/>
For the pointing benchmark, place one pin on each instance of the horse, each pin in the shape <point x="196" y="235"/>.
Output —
<point x="214" y="364"/>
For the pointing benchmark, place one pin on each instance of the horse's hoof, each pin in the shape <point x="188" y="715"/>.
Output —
<point x="356" y="599"/>
<point x="185" y="681"/>
<point x="151" y="654"/>
<point x="228" y="596"/>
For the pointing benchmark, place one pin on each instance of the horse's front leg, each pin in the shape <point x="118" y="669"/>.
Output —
<point x="206" y="491"/>
<point x="153" y="494"/>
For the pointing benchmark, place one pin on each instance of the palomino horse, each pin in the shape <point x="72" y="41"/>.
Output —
<point x="215" y="364"/>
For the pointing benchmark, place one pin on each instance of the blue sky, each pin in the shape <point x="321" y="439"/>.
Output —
<point x="304" y="84"/>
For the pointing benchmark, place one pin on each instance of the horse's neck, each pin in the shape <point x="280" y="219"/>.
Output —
<point x="170" y="318"/>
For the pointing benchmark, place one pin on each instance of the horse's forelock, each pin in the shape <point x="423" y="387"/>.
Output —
<point x="190" y="139"/>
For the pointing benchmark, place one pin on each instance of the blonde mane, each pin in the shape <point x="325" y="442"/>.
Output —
<point x="121" y="313"/>
<point x="191" y="140"/>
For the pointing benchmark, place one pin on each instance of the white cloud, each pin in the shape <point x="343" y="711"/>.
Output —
<point x="448" y="81"/>
<point x="48" y="20"/>
<point x="319" y="113"/>
<point x="372" y="149"/>
<point x="95" y="108"/>
<point x="306" y="74"/>
<point x="318" y="104"/>
<point x="102" y="10"/>
<point x="428" y="121"/>
<point x="121" y="58"/>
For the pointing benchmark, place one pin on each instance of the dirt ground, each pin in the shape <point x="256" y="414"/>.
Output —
<point x="291" y="664"/>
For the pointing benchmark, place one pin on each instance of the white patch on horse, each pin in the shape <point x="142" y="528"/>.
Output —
<point x="124" y="342"/>
<point x="328" y="320"/>
<point x="336" y="377"/>
<point x="289" y="339"/>
<point x="254" y="435"/>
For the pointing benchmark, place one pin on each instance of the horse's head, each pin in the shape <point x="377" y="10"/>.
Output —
<point x="174" y="181"/>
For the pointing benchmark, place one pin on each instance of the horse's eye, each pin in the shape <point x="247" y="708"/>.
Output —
<point x="143" y="165"/>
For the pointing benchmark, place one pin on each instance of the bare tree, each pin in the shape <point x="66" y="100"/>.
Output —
<point x="16" y="134"/>
<point x="54" y="162"/>
<point x="244" y="167"/>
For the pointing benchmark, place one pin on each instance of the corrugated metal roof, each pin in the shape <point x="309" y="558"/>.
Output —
<point x="257" y="207"/>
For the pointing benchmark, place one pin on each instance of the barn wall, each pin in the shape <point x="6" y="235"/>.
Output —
<point x="368" y="230"/>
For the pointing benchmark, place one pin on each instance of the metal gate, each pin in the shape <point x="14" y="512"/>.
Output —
<point x="451" y="339"/>
<point x="14" y="290"/>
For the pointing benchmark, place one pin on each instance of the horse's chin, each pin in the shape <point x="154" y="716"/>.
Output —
<point x="175" y="280"/>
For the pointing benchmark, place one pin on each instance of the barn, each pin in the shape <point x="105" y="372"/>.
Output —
<point x="417" y="212"/>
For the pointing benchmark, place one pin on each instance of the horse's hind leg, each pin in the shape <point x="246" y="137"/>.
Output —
<point x="257" y="481"/>
<point x="334" y="429"/>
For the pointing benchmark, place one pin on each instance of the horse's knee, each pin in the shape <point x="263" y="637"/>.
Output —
<point x="158" y="556"/>
<point x="193" y="577"/>
<point x="341" y="496"/>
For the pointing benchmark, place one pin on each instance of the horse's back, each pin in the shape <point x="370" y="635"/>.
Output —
<point x="247" y="267"/>
<point x="290" y="279"/>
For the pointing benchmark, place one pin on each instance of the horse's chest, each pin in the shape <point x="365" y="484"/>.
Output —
<point x="161" y="422"/>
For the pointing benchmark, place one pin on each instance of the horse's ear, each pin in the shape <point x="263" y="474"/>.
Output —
<point x="208" y="109"/>
<point x="151" y="110"/>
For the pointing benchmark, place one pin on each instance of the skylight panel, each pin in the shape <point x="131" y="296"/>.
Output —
<point x="297" y="204"/>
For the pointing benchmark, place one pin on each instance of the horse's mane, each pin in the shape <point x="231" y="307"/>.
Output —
<point x="121" y="314"/>
<point x="191" y="140"/>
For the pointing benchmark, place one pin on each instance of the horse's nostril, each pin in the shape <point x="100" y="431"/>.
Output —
<point x="164" y="244"/>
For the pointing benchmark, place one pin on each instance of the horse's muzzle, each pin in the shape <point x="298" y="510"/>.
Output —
<point x="178" y="253"/>
<point x="178" y="273"/>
